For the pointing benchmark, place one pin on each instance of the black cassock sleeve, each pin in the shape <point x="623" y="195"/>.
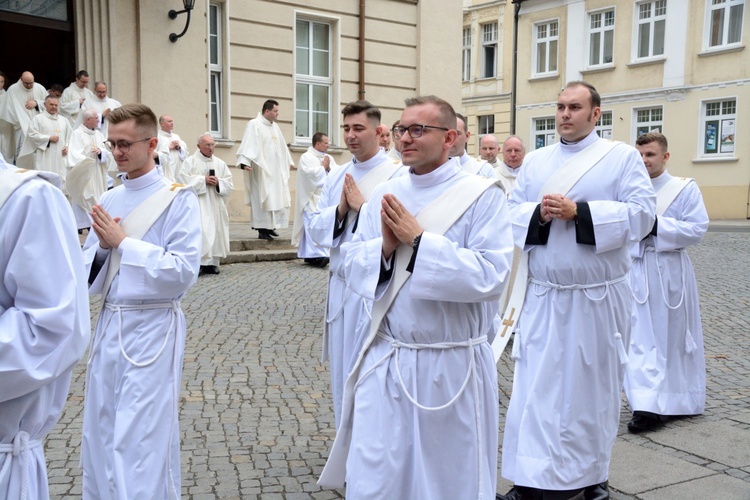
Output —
<point x="585" y="225"/>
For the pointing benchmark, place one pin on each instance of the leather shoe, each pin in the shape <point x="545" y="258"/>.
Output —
<point x="212" y="269"/>
<point x="513" y="494"/>
<point x="597" y="491"/>
<point x="273" y="233"/>
<point x="264" y="236"/>
<point x="645" y="421"/>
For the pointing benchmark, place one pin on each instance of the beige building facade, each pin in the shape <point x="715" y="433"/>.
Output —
<point x="311" y="56"/>
<point x="676" y="66"/>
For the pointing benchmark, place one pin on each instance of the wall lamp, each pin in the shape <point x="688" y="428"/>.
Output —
<point x="189" y="4"/>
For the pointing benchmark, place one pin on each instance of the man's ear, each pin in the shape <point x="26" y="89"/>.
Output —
<point x="450" y="138"/>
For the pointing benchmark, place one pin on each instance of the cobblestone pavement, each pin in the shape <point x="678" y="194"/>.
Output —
<point x="256" y="413"/>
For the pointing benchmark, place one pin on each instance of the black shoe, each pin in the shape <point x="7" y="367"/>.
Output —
<point x="512" y="494"/>
<point x="212" y="269"/>
<point x="597" y="492"/>
<point x="273" y="233"/>
<point x="645" y="421"/>
<point x="262" y="235"/>
<point x="317" y="261"/>
<point x="202" y="270"/>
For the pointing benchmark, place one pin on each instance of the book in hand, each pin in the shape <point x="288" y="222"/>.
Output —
<point x="212" y="173"/>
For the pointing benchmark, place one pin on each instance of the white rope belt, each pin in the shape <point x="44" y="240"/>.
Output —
<point x="576" y="286"/>
<point x="21" y="446"/>
<point x="119" y="308"/>
<point x="397" y="345"/>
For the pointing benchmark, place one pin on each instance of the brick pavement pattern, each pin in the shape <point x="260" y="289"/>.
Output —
<point x="256" y="416"/>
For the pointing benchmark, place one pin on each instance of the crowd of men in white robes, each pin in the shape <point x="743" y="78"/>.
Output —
<point x="420" y="238"/>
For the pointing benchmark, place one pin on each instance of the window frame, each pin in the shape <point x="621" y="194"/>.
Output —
<point x="708" y="25"/>
<point x="653" y="19"/>
<point x="466" y="54"/>
<point x="602" y="30"/>
<point x="486" y="45"/>
<point x="548" y="133"/>
<point x="605" y="130"/>
<point x="217" y="84"/>
<point x="722" y="123"/>
<point x="547" y="41"/>
<point x="485" y="125"/>
<point x="311" y="81"/>
<point x="651" y="124"/>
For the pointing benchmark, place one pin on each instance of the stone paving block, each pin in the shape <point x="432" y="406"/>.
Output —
<point x="719" y="486"/>
<point x="720" y="442"/>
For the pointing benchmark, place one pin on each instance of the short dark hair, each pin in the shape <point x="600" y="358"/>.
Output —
<point x="447" y="113"/>
<point x="650" y="137"/>
<point x="81" y="74"/>
<point x="596" y="99"/>
<point x="318" y="138"/>
<point x="463" y="119"/>
<point x="357" y="107"/>
<point x="268" y="105"/>
<point x="145" y="119"/>
<point x="57" y="87"/>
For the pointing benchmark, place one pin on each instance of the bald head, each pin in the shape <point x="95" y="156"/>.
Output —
<point x="488" y="148"/>
<point x="27" y="79"/>
<point x="166" y="122"/>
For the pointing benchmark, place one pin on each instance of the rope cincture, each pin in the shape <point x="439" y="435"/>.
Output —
<point x="20" y="447"/>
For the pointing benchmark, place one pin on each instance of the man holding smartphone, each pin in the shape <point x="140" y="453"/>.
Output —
<point x="212" y="180"/>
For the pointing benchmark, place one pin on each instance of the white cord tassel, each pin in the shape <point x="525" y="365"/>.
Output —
<point x="621" y="351"/>
<point x="690" y="344"/>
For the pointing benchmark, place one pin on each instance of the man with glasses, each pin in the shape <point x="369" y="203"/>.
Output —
<point x="142" y="256"/>
<point x="433" y="248"/>
<point x="102" y="104"/>
<point x="335" y="222"/>
<point x="22" y="102"/>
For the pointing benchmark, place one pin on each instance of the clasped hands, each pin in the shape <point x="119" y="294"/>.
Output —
<point x="107" y="228"/>
<point x="351" y="198"/>
<point x="557" y="206"/>
<point x="398" y="225"/>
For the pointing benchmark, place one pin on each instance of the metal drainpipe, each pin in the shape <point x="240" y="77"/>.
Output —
<point x="516" y="8"/>
<point x="361" y="92"/>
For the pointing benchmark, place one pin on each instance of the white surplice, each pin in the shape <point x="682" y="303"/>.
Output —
<point x="131" y="439"/>
<point x="13" y="111"/>
<point x="667" y="369"/>
<point x="507" y="176"/>
<point x="44" y="320"/>
<point x="311" y="176"/>
<point x="422" y="421"/>
<point x="267" y="187"/>
<point x="101" y="105"/>
<point x="471" y="165"/>
<point x="48" y="156"/>
<point x="171" y="169"/>
<point x="570" y="345"/>
<point x="7" y="148"/>
<point x="71" y="106"/>
<point x="343" y="309"/>
<point x="81" y="146"/>
<point x="214" y="214"/>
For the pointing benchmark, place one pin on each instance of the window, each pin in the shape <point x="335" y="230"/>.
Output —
<point x="312" y="103"/>
<point x="725" y="22"/>
<point x="648" y="120"/>
<point x="489" y="49"/>
<point x="545" y="38"/>
<point x="486" y="124"/>
<point x="215" y="70"/>
<point x="652" y="19"/>
<point x="604" y="125"/>
<point x="718" y="127"/>
<point x="601" y="37"/>
<point x="466" y="56"/>
<point x="544" y="132"/>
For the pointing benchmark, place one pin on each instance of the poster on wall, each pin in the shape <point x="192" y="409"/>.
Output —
<point x="727" y="136"/>
<point x="711" y="144"/>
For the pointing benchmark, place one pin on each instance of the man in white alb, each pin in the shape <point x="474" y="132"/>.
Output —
<point x="47" y="140"/>
<point x="432" y="250"/>
<point x="211" y="178"/>
<point x="265" y="158"/>
<point x="171" y="144"/>
<point x="513" y="154"/>
<point x="44" y="320"/>
<point x="103" y="104"/>
<point x="74" y="97"/>
<point x="335" y="222"/>
<point x="314" y="166"/>
<point x="489" y="149"/>
<point x="468" y="162"/>
<point x="142" y="256"/>
<point x="89" y="162"/>
<point x="22" y="102"/>
<point x="576" y="209"/>
<point x="666" y="375"/>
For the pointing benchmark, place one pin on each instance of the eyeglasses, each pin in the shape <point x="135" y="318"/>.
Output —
<point x="415" y="131"/>
<point x="123" y="146"/>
